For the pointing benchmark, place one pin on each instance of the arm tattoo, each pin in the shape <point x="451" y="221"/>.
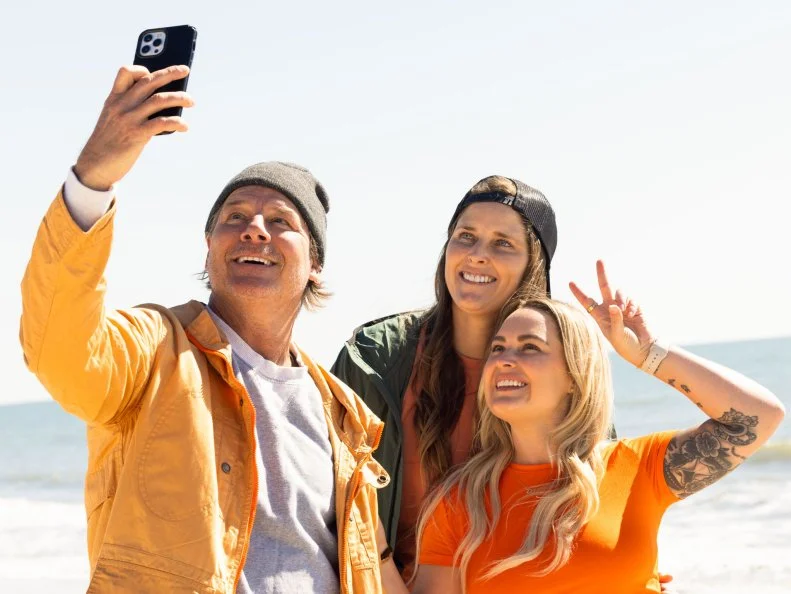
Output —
<point x="697" y="459"/>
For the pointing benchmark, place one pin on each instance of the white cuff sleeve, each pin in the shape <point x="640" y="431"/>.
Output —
<point x="86" y="206"/>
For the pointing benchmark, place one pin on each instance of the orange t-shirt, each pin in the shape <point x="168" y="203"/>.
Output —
<point x="616" y="552"/>
<point x="413" y="491"/>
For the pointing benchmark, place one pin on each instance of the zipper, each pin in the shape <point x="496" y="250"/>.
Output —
<point x="395" y="510"/>
<point x="347" y="513"/>
<point x="347" y="510"/>
<point x="239" y="388"/>
<point x="378" y="437"/>
<point x="352" y="493"/>
<point x="355" y="478"/>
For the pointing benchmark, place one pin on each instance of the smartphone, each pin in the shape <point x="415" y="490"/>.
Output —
<point x="163" y="47"/>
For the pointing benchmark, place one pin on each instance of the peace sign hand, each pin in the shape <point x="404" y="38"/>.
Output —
<point x="620" y="319"/>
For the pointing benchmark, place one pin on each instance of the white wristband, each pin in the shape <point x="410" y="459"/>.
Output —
<point x="656" y="355"/>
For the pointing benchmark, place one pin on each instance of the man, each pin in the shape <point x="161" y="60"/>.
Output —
<point x="221" y="458"/>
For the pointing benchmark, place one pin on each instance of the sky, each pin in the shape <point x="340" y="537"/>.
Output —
<point x="659" y="132"/>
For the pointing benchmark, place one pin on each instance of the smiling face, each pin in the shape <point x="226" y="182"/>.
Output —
<point x="485" y="258"/>
<point x="525" y="379"/>
<point x="259" y="248"/>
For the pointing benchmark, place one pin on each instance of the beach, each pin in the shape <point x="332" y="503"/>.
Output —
<point x="733" y="537"/>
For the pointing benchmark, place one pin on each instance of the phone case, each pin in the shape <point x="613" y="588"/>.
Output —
<point x="163" y="47"/>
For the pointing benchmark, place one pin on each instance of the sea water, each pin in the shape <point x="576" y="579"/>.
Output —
<point x="734" y="536"/>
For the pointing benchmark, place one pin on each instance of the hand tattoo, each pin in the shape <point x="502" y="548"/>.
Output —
<point x="697" y="459"/>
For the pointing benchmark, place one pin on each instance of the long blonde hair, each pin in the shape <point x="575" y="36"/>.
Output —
<point x="567" y="503"/>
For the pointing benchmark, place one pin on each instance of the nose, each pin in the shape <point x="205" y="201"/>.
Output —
<point x="256" y="230"/>
<point x="477" y="254"/>
<point x="506" y="359"/>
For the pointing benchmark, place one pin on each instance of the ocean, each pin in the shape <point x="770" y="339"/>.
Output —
<point x="734" y="537"/>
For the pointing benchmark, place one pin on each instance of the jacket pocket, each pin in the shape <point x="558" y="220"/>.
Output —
<point x="176" y="477"/>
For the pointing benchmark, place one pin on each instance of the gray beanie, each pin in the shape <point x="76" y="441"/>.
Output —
<point x="294" y="182"/>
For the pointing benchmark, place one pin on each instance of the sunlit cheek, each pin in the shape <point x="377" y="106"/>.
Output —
<point x="450" y="259"/>
<point x="514" y="277"/>
<point x="449" y="268"/>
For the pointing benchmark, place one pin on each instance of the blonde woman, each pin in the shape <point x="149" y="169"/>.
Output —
<point x="548" y="505"/>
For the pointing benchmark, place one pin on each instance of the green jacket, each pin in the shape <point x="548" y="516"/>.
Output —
<point x="376" y="362"/>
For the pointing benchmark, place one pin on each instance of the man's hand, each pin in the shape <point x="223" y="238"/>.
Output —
<point x="123" y="129"/>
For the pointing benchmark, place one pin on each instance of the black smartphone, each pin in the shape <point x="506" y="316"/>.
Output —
<point x="163" y="47"/>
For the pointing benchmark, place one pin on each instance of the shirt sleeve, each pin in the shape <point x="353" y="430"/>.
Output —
<point x="86" y="206"/>
<point x="440" y="538"/>
<point x="652" y="449"/>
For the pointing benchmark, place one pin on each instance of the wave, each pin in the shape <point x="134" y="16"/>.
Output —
<point x="779" y="451"/>
<point x="43" y="479"/>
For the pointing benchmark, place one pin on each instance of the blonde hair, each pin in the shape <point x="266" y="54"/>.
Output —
<point x="565" y="504"/>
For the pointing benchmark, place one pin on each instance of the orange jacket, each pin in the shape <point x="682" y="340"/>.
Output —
<point x="171" y="488"/>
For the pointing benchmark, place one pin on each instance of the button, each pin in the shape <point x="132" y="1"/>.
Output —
<point x="241" y="402"/>
<point x="382" y="479"/>
<point x="226" y="468"/>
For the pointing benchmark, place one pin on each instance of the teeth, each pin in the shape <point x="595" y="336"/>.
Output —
<point x="510" y="384"/>
<point x="245" y="259"/>
<point x="477" y="278"/>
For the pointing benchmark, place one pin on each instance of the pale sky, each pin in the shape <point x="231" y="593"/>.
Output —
<point x="660" y="133"/>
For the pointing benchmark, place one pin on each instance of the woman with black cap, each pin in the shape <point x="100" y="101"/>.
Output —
<point x="419" y="371"/>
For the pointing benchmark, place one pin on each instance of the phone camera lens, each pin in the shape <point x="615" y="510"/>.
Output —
<point x="148" y="38"/>
<point x="145" y="49"/>
<point x="157" y="42"/>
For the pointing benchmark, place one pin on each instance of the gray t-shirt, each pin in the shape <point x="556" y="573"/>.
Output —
<point x="294" y="544"/>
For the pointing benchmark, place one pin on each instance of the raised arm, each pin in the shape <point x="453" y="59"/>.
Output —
<point x="91" y="360"/>
<point x="743" y="413"/>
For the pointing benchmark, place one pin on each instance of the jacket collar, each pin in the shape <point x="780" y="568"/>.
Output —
<point x="354" y="423"/>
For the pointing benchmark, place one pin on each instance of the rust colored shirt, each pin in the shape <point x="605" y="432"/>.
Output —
<point x="414" y="487"/>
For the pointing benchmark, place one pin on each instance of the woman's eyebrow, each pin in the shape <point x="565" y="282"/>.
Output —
<point x="522" y="338"/>
<point x="525" y="337"/>
<point x="497" y="233"/>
